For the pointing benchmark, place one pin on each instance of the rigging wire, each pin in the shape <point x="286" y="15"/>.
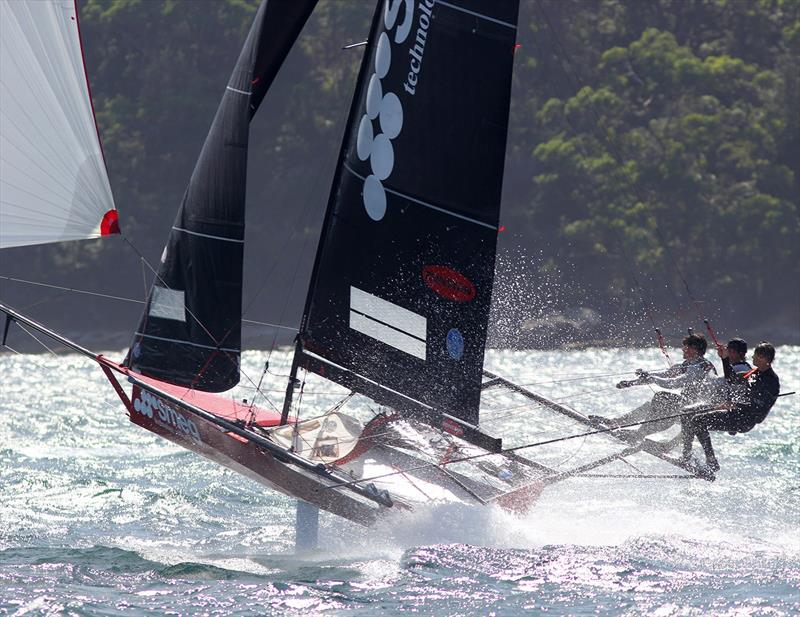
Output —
<point x="70" y="289"/>
<point x="346" y="103"/>
<point x="35" y="338"/>
<point x="303" y="216"/>
<point x="200" y="323"/>
<point x="650" y="476"/>
<point x="164" y="283"/>
<point x="583" y="377"/>
<point x="218" y="343"/>
<point x="516" y="448"/>
<point x="252" y="411"/>
<point x="486" y="393"/>
<point x="39" y="365"/>
<point x="572" y="455"/>
<point x="120" y="298"/>
<point x="44" y="367"/>
<point x="145" y="285"/>
<point x="296" y="425"/>
<point x="527" y="407"/>
<point x="442" y="464"/>
<point x="265" y="278"/>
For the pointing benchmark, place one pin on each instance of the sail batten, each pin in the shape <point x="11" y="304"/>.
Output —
<point x="413" y="212"/>
<point x="53" y="180"/>
<point x="424" y="204"/>
<point x="190" y="331"/>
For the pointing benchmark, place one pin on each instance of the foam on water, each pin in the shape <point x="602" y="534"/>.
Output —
<point x="100" y="517"/>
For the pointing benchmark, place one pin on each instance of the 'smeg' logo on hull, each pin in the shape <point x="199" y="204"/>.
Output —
<point x="153" y="407"/>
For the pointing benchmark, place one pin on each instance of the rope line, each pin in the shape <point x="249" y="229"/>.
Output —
<point x="122" y="298"/>
<point x="517" y="448"/>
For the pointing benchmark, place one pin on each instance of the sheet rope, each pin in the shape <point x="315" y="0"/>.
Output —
<point x="464" y="459"/>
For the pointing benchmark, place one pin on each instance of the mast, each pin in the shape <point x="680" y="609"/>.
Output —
<point x="354" y="108"/>
<point x="398" y="303"/>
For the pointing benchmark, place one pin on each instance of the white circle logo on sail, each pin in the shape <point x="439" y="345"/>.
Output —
<point x="387" y="109"/>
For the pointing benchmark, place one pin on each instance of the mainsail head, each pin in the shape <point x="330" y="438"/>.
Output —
<point x="399" y="301"/>
<point x="190" y="332"/>
<point x="53" y="181"/>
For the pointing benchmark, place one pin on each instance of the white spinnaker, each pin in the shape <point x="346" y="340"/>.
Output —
<point x="53" y="180"/>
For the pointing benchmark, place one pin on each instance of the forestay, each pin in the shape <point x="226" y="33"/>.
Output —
<point x="190" y="332"/>
<point x="399" y="300"/>
<point x="53" y="181"/>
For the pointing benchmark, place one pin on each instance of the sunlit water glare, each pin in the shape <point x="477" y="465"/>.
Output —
<point x="100" y="517"/>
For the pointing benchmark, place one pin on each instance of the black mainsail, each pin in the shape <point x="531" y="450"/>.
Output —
<point x="190" y="332"/>
<point x="399" y="300"/>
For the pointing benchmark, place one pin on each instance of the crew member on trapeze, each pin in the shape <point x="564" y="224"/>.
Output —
<point x="741" y="413"/>
<point x="686" y="384"/>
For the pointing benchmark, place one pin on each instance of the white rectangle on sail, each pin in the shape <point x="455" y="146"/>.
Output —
<point x="388" y="313"/>
<point x="168" y="304"/>
<point x="389" y="323"/>
<point x="385" y="334"/>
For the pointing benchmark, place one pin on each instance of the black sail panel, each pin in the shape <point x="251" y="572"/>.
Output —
<point x="400" y="294"/>
<point x="282" y="23"/>
<point x="190" y="332"/>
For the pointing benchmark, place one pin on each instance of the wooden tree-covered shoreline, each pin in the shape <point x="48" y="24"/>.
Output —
<point x="652" y="172"/>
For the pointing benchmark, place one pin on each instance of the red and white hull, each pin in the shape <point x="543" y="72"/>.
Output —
<point x="407" y="479"/>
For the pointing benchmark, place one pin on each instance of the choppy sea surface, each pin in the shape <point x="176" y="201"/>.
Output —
<point x="100" y="517"/>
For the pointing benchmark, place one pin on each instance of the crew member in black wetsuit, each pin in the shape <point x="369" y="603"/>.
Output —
<point x="735" y="416"/>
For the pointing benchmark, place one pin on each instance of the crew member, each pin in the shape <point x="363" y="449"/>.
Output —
<point x="686" y="383"/>
<point x="735" y="416"/>
<point x="732" y="387"/>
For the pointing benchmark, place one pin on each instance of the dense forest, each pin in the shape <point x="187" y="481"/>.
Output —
<point x="652" y="169"/>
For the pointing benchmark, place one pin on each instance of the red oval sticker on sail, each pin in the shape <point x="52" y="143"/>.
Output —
<point x="448" y="283"/>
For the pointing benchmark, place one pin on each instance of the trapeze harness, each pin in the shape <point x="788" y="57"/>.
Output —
<point x="688" y="376"/>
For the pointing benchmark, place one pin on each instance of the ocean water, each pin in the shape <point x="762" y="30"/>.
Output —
<point x="100" y="517"/>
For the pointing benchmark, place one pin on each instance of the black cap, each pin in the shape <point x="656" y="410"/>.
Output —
<point x="738" y="344"/>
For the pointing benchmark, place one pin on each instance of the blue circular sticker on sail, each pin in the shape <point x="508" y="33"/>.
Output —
<point x="455" y="344"/>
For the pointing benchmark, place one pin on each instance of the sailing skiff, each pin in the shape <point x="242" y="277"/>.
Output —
<point x="398" y="303"/>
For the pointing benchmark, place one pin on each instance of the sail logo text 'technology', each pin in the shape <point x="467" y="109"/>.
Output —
<point x="417" y="50"/>
<point x="386" y="107"/>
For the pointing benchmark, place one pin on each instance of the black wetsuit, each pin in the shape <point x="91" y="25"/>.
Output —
<point x="763" y="390"/>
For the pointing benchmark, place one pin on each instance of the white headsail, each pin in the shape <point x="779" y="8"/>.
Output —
<point x="53" y="180"/>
